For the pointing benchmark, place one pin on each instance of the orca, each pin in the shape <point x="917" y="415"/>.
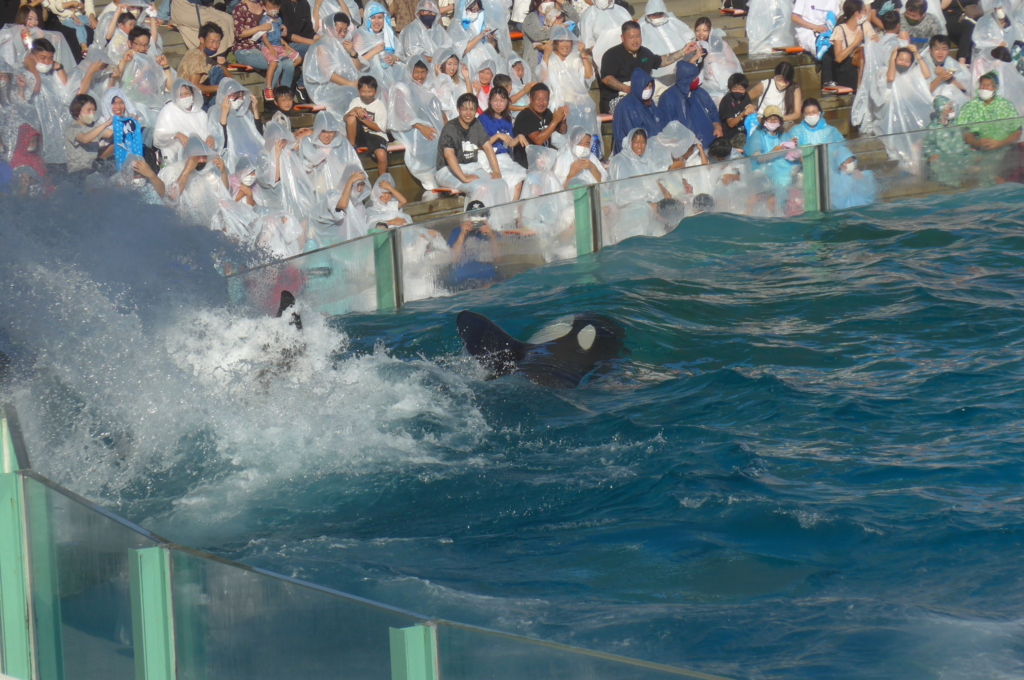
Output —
<point x="561" y="355"/>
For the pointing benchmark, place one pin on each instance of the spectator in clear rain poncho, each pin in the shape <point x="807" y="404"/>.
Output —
<point x="1011" y="81"/>
<point x="16" y="39"/>
<point x="950" y="78"/>
<point x="282" y="174"/>
<point x="181" y="117"/>
<point x="663" y="33"/>
<point x="232" y="124"/>
<point x="770" y="25"/>
<point x="873" y="92"/>
<point x="998" y="27"/>
<point x="331" y="69"/>
<point x="340" y="215"/>
<point x="135" y="174"/>
<point x="719" y="63"/>
<point x="909" y="107"/>
<point x="126" y="125"/>
<point x="575" y="165"/>
<point x="416" y="119"/>
<point x="692" y="106"/>
<point x="325" y="12"/>
<point x="451" y="80"/>
<point x="479" y="32"/>
<point x="568" y="71"/>
<point x="377" y="46"/>
<point x="993" y="127"/>
<point x="196" y="183"/>
<point x="553" y="213"/>
<point x="147" y="81"/>
<point x="849" y="186"/>
<point x="949" y="158"/>
<point x="544" y="16"/>
<point x="633" y="198"/>
<point x="326" y="153"/>
<point x="425" y="35"/>
<point x="675" y="148"/>
<point x="601" y="25"/>
<point x="51" y="95"/>
<point x="483" y="82"/>
<point x="385" y="204"/>
<point x="521" y="79"/>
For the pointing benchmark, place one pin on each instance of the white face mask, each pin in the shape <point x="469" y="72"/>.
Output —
<point x="581" y="152"/>
<point x="32" y="147"/>
<point x="660" y="21"/>
<point x="771" y="126"/>
<point x="472" y="15"/>
<point x="138" y="182"/>
<point x="88" y="118"/>
<point x="545" y="7"/>
<point x="813" y="119"/>
<point x="44" y="68"/>
<point x="985" y="95"/>
<point x="186" y="103"/>
<point x="860" y="22"/>
<point x="1000" y="14"/>
<point x="647" y="94"/>
<point x="249" y="180"/>
<point x="238" y="104"/>
<point x="850" y="167"/>
<point x="604" y="4"/>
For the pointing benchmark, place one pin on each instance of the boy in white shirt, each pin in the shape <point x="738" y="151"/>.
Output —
<point x="366" y="122"/>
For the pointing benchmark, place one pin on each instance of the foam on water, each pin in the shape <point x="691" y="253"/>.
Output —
<point x="808" y="467"/>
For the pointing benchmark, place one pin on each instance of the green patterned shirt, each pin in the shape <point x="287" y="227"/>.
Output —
<point x="999" y="116"/>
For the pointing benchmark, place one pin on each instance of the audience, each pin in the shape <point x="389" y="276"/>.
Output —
<point x="637" y="110"/>
<point x="620" y="62"/>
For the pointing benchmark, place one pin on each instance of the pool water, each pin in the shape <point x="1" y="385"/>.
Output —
<point x="809" y="465"/>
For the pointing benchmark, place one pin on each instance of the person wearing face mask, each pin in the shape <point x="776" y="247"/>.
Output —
<point x="663" y="33"/>
<point x="82" y="137"/>
<point x="813" y="129"/>
<point x="637" y="110"/>
<point x="920" y="25"/>
<point x="691" y="106"/>
<point x="600" y="25"/>
<point x="242" y="183"/>
<point x="189" y="18"/>
<point x="425" y="35"/>
<point x="575" y="165"/>
<point x="992" y="126"/>
<point x="849" y="186"/>
<point x="202" y="66"/>
<point x="179" y="118"/>
<point x="908" y="107"/>
<point x="47" y="81"/>
<point x="127" y="133"/>
<point x="768" y="138"/>
<point x="415" y="118"/>
<point x="847" y="46"/>
<point x="232" y="124"/>
<point x="326" y="153"/>
<point x="197" y="184"/>
<point x="27" y="158"/>
<point x="341" y="215"/>
<point x="735" y="107"/>
<point x="543" y="15"/>
<point x="947" y="154"/>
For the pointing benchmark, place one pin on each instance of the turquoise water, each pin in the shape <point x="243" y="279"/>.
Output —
<point x="809" y="465"/>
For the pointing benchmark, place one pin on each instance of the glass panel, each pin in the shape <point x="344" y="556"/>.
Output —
<point x="237" y="623"/>
<point x="920" y="163"/>
<point x="334" y="280"/>
<point x="474" y="654"/>
<point x="477" y="249"/>
<point x="80" y="587"/>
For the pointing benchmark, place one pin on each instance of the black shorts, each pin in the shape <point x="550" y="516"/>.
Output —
<point x="369" y="140"/>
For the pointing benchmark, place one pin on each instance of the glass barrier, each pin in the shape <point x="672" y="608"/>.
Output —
<point x="233" y="622"/>
<point x="478" y="249"/>
<point x="435" y="259"/>
<point x="921" y="163"/>
<point x="335" y="280"/>
<point x="80" y="587"/>
<point x="468" y="653"/>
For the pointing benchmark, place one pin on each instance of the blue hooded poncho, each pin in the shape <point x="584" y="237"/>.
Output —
<point x="848" y="191"/>
<point x="632" y="113"/>
<point x="822" y="133"/>
<point x="693" y="108"/>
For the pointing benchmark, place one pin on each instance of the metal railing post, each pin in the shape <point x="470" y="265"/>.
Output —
<point x="584" y="224"/>
<point x="149" y="572"/>
<point x="15" y="608"/>
<point x="386" y="270"/>
<point x="596" y="218"/>
<point x="810" y="171"/>
<point x="414" y="653"/>
<point x="824" y="193"/>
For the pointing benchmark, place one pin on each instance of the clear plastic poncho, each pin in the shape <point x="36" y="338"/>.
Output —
<point x="909" y="108"/>
<point x="379" y="211"/>
<point x="462" y="30"/>
<point x="770" y="24"/>
<point x="719" y="64"/>
<point x="175" y="118"/>
<point x="145" y="83"/>
<point x="416" y="38"/>
<point x="280" y="234"/>
<point x="565" y="159"/>
<point x="13" y="49"/>
<point x="328" y="225"/>
<point x="601" y="27"/>
<point x="567" y="80"/>
<point x="447" y="90"/>
<point x="671" y="144"/>
<point x="328" y="8"/>
<point x="200" y="198"/>
<point x="326" y="57"/>
<point x="366" y="39"/>
<point x="1011" y="82"/>
<point x="282" y="176"/>
<point x="873" y="92"/>
<point x="671" y="36"/>
<point x="989" y="31"/>
<point x="518" y="83"/>
<point x="51" y="110"/>
<point x="960" y="74"/>
<point x="412" y="104"/>
<point x="545" y="207"/>
<point x="325" y="164"/>
<point x="242" y="138"/>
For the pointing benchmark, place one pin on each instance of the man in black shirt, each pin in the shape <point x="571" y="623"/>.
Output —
<point x="537" y="123"/>
<point x="735" y="107"/>
<point x="458" y="149"/>
<point x="618" y="63"/>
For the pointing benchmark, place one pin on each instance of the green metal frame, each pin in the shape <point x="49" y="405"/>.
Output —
<point x="388" y="296"/>
<point x="149" y="571"/>
<point x="584" y="220"/>
<point x="414" y="653"/>
<point x="15" y="610"/>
